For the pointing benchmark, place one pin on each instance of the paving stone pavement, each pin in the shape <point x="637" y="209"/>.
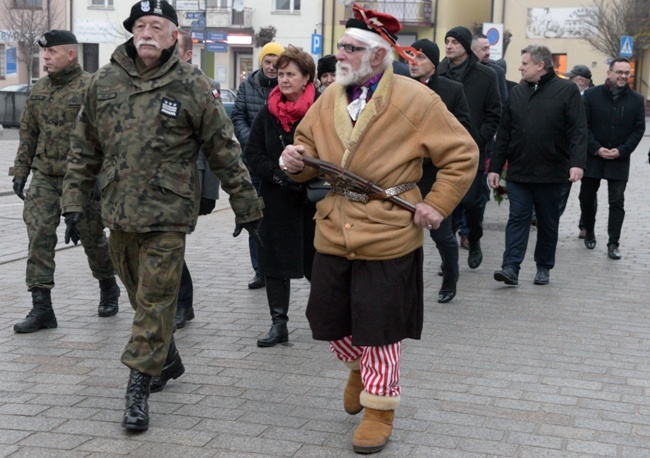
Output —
<point x="557" y="371"/>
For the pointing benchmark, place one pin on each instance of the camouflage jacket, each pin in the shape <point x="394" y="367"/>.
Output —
<point x="46" y="122"/>
<point x="142" y="136"/>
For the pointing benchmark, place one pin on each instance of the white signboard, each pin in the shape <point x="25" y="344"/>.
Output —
<point x="494" y="33"/>
<point x="560" y="22"/>
<point x="88" y="31"/>
<point x="190" y="5"/>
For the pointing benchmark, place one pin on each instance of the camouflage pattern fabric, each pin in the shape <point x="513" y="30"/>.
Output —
<point x="150" y="266"/>
<point x="42" y="216"/>
<point x="47" y="120"/>
<point x="142" y="136"/>
<point x="45" y="125"/>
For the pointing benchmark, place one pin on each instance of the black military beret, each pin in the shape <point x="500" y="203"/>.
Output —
<point x="150" y="8"/>
<point x="57" y="38"/>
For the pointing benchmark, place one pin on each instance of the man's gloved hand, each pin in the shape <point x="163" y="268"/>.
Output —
<point x="19" y="186"/>
<point x="71" y="231"/>
<point x="96" y="193"/>
<point x="285" y="183"/>
<point x="253" y="228"/>
<point x="206" y="206"/>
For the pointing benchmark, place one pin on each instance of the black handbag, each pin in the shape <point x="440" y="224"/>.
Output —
<point x="317" y="189"/>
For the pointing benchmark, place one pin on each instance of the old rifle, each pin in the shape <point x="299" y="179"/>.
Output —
<point x="339" y="176"/>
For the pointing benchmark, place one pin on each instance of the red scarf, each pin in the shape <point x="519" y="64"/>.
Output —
<point x="287" y="112"/>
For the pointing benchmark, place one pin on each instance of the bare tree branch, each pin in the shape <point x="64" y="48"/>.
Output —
<point x="613" y="19"/>
<point x="27" y="25"/>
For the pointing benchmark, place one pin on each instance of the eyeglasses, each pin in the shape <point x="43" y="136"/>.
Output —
<point x="349" y="48"/>
<point x="622" y="73"/>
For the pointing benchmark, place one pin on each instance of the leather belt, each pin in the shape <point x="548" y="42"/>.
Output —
<point x="356" y="196"/>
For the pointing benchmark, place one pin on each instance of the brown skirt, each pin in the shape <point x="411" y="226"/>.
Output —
<point x="377" y="302"/>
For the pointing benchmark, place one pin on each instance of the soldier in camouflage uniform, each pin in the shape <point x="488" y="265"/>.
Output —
<point x="45" y="125"/>
<point x="145" y="116"/>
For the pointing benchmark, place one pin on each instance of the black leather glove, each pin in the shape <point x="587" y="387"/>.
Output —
<point x="206" y="206"/>
<point x="71" y="231"/>
<point x="96" y="193"/>
<point x="253" y="228"/>
<point x="285" y="183"/>
<point x="19" y="186"/>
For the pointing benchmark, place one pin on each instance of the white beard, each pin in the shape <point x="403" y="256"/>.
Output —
<point x="346" y="76"/>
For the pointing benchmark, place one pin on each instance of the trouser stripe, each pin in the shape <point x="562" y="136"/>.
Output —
<point x="380" y="366"/>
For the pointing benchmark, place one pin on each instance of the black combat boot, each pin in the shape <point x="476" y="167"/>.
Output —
<point x="277" y="294"/>
<point x="41" y="316"/>
<point x="172" y="369"/>
<point x="109" y="292"/>
<point x="136" y="415"/>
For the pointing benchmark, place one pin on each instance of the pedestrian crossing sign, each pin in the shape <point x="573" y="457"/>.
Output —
<point x="627" y="46"/>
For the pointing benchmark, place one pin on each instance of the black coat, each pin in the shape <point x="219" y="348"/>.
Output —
<point x="252" y="95"/>
<point x="612" y="124"/>
<point x="452" y="95"/>
<point x="543" y="132"/>
<point x="482" y="92"/>
<point x="287" y="229"/>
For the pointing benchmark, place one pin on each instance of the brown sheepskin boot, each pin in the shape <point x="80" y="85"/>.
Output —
<point x="352" y="393"/>
<point x="376" y="426"/>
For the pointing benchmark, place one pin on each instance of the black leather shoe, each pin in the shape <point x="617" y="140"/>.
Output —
<point x="183" y="315"/>
<point x="172" y="369"/>
<point x="256" y="282"/>
<point x="542" y="276"/>
<point x="475" y="256"/>
<point x="507" y="275"/>
<point x="277" y="334"/>
<point x="613" y="252"/>
<point x="590" y="241"/>
<point x="109" y="294"/>
<point x="446" y="295"/>
<point x="41" y="316"/>
<point x="136" y="415"/>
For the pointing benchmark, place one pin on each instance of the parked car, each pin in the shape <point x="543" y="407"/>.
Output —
<point x="16" y="88"/>
<point x="228" y="97"/>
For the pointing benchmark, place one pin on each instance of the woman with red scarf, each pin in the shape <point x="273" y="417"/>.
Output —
<point x="287" y="230"/>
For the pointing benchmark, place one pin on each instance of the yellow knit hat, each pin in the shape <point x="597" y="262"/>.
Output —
<point x="271" y="48"/>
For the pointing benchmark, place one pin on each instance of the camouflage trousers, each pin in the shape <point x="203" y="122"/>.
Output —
<point x="42" y="215"/>
<point x="150" y="265"/>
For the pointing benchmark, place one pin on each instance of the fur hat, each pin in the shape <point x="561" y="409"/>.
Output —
<point x="150" y="8"/>
<point x="464" y="37"/>
<point x="57" y="38"/>
<point x="429" y="49"/>
<point x="326" y="64"/>
<point x="272" y="48"/>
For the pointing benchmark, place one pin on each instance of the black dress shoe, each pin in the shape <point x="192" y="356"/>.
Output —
<point x="475" y="256"/>
<point x="136" y="415"/>
<point x="590" y="241"/>
<point x="542" y="276"/>
<point x="612" y="252"/>
<point x="447" y="291"/>
<point x="507" y="275"/>
<point x="276" y="335"/>
<point x="183" y="315"/>
<point x="172" y="369"/>
<point x="256" y="282"/>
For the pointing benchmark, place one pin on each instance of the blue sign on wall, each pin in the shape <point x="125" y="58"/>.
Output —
<point x="627" y="46"/>
<point x="216" y="47"/>
<point x="12" y="66"/>
<point x="216" y="36"/>
<point x="316" y="44"/>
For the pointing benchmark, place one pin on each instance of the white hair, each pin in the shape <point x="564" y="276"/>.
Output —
<point x="373" y="40"/>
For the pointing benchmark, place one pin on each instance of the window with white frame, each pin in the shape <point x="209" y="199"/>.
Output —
<point x="289" y="6"/>
<point x="100" y="3"/>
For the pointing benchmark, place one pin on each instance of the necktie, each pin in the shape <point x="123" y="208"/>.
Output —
<point x="356" y="106"/>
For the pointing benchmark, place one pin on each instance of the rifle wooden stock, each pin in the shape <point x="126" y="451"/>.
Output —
<point x="339" y="176"/>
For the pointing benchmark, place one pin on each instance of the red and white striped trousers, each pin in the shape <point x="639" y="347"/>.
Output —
<point x="379" y="365"/>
